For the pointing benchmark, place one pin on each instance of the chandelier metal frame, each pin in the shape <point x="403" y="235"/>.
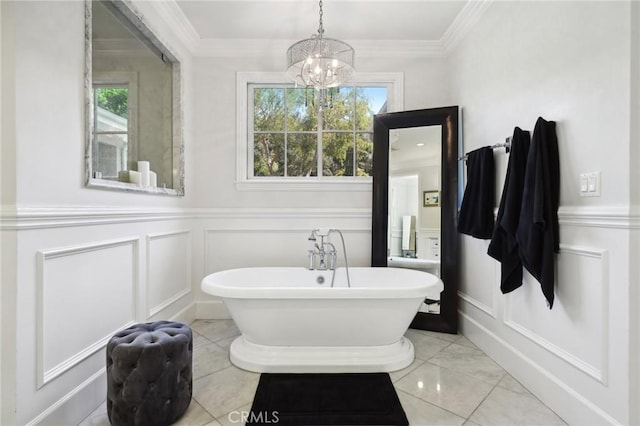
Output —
<point x="319" y="61"/>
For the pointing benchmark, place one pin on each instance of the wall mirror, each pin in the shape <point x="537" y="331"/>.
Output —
<point x="415" y="201"/>
<point x="133" y="104"/>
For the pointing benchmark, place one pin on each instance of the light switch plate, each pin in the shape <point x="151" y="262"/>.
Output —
<point x="590" y="184"/>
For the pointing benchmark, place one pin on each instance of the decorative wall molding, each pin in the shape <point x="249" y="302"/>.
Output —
<point x="90" y="393"/>
<point x="28" y="218"/>
<point x="43" y="374"/>
<point x="96" y="383"/>
<point x="489" y="310"/>
<point x="278" y="228"/>
<point x="617" y="217"/>
<point x="186" y="289"/>
<point x="463" y="23"/>
<point x="25" y="218"/>
<point x="173" y="15"/>
<point x="599" y="373"/>
<point x="569" y="403"/>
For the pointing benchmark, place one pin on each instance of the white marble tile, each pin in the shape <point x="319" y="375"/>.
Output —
<point x="469" y="361"/>
<point x="98" y="417"/>
<point x="422" y="413"/>
<point x="225" y="390"/>
<point x="425" y="346"/>
<point x="194" y="416"/>
<point x="442" y="336"/>
<point x="215" y="330"/>
<point x="208" y="359"/>
<point x="463" y="341"/>
<point x="508" y="382"/>
<point x="225" y="343"/>
<point x="506" y="408"/>
<point x="397" y="375"/>
<point x="231" y="418"/>
<point x="213" y="423"/>
<point x="448" y="389"/>
<point x="470" y="423"/>
<point x="199" y="340"/>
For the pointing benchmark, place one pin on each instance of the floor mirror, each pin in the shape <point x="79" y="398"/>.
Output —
<point x="415" y="203"/>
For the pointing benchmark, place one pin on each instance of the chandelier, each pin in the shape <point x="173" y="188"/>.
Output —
<point x="320" y="62"/>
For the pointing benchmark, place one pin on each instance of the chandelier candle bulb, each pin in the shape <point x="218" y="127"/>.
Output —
<point x="143" y="169"/>
<point x="320" y="62"/>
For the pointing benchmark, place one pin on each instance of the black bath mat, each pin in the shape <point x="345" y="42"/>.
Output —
<point x="326" y="399"/>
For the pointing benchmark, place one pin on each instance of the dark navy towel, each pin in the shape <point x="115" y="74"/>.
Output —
<point x="504" y="246"/>
<point x="537" y="232"/>
<point x="476" y="212"/>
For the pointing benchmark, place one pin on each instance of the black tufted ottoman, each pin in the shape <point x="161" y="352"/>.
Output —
<point x="149" y="379"/>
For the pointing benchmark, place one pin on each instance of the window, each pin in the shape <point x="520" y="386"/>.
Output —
<point x="111" y="129"/>
<point x="288" y="130"/>
<point x="286" y="142"/>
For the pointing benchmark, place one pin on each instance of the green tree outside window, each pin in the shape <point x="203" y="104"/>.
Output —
<point x="289" y="130"/>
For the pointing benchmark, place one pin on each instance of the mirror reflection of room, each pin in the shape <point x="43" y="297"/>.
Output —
<point x="414" y="210"/>
<point x="132" y="100"/>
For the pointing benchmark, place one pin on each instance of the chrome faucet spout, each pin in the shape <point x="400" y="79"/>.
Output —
<point x="326" y="259"/>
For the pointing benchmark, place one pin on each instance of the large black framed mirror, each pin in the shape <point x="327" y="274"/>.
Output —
<point x="405" y="234"/>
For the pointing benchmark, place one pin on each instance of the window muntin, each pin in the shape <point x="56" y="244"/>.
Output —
<point x="287" y="131"/>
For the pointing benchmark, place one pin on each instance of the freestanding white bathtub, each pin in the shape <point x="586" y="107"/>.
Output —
<point x="292" y="320"/>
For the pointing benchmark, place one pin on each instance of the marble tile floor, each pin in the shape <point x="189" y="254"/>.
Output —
<point x="451" y="382"/>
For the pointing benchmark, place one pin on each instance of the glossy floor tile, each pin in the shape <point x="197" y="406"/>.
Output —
<point x="451" y="382"/>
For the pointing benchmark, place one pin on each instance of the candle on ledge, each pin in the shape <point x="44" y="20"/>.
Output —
<point x="143" y="169"/>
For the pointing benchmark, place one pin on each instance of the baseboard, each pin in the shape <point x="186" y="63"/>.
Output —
<point x="86" y="397"/>
<point x="212" y="309"/>
<point x="77" y="404"/>
<point x="187" y="315"/>
<point x="566" y="401"/>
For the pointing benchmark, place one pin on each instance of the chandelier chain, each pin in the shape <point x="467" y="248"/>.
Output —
<point x="321" y="27"/>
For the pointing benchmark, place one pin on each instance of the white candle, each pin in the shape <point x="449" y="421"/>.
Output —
<point x="153" y="179"/>
<point x="135" y="177"/>
<point x="143" y="169"/>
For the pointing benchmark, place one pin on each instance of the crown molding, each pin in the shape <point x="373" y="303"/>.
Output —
<point x="175" y="18"/>
<point x="460" y="27"/>
<point x="172" y="14"/>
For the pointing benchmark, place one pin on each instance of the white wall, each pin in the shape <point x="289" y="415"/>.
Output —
<point x="215" y="118"/>
<point x="135" y="257"/>
<point x="242" y="228"/>
<point x="569" y="62"/>
<point x="77" y="264"/>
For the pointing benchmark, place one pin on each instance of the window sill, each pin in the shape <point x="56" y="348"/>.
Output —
<point x="291" y="185"/>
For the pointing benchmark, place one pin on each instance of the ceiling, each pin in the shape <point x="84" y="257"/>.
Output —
<point x="372" y="27"/>
<point x="419" y="145"/>
<point x="346" y="20"/>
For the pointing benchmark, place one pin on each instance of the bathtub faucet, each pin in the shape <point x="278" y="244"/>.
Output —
<point x="326" y="258"/>
<point x="322" y="259"/>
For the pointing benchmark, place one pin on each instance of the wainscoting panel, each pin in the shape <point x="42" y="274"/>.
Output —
<point x="576" y="329"/>
<point x="168" y="269"/>
<point x="84" y="294"/>
<point x="238" y="248"/>
<point x="480" y="287"/>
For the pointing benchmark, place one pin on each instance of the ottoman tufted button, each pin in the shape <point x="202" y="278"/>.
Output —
<point x="142" y="362"/>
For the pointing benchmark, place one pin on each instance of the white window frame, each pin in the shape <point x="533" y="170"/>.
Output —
<point x="130" y="80"/>
<point x="393" y="81"/>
